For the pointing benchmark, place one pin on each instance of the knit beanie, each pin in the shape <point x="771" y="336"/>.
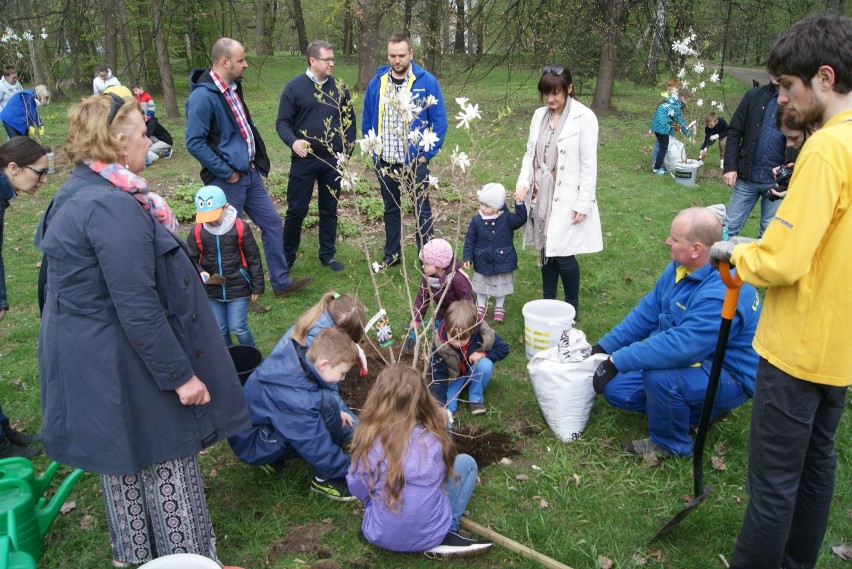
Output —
<point x="437" y="252"/>
<point x="493" y="195"/>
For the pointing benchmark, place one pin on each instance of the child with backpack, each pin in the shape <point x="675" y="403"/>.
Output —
<point x="489" y="246"/>
<point x="406" y="471"/>
<point x="223" y="245"/>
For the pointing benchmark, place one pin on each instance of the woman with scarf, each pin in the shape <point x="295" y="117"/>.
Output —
<point x="135" y="377"/>
<point x="559" y="173"/>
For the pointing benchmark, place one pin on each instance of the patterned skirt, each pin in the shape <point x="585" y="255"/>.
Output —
<point x="159" y="511"/>
<point x="500" y="284"/>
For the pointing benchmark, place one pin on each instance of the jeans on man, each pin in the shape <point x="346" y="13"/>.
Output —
<point x="249" y="194"/>
<point x="743" y="197"/>
<point x="672" y="399"/>
<point x="391" y="177"/>
<point x="459" y="490"/>
<point x="791" y="463"/>
<point x="476" y="381"/>
<point x="231" y="317"/>
<point x="300" y="187"/>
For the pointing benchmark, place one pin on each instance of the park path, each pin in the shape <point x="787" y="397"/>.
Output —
<point x="748" y="74"/>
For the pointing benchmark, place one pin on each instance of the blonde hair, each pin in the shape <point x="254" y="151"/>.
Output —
<point x="42" y="94"/>
<point x="460" y="319"/>
<point x="91" y="135"/>
<point x="346" y="311"/>
<point x="398" y="401"/>
<point x="333" y="345"/>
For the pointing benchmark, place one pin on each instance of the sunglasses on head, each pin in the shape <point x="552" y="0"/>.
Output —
<point x="117" y="103"/>
<point x="553" y="69"/>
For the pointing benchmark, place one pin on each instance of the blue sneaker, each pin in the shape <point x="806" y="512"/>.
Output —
<point x="661" y="171"/>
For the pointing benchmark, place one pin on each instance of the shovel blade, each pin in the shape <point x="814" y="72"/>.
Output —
<point x="680" y="516"/>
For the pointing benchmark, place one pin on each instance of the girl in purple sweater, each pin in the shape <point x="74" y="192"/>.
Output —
<point x="405" y="470"/>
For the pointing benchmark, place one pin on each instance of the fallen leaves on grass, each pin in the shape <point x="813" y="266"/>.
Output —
<point x="87" y="522"/>
<point x="638" y="560"/>
<point x="842" y="551"/>
<point x="522" y="477"/>
<point x="67" y="506"/>
<point x="505" y="461"/>
<point x="718" y="463"/>
<point x="604" y="562"/>
<point x="576" y="479"/>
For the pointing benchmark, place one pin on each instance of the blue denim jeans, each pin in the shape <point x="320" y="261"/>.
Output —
<point x="476" y="382"/>
<point x="231" y="317"/>
<point x="249" y="194"/>
<point x="743" y="198"/>
<point x="459" y="490"/>
<point x="390" y="186"/>
<point x="672" y="399"/>
<point x="330" y="412"/>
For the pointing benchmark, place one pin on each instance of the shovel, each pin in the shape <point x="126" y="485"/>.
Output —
<point x="729" y="309"/>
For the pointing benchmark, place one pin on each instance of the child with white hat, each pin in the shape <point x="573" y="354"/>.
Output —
<point x="490" y="248"/>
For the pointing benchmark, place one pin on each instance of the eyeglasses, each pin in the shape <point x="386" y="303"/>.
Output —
<point x="117" y="103"/>
<point x="326" y="59"/>
<point x="42" y="172"/>
<point x="555" y="70"/>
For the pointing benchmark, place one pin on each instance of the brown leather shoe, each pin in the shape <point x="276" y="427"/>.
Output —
<point x="255" y="306"/>
<point x="295" y="286"/>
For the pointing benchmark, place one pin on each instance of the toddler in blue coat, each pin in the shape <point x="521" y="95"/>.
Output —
<point x="489" y="246"/>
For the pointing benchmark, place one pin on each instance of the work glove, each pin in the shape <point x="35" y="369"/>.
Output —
<point x="597" y="349"/>
<point x="605" y="372"/>
<point x="722" y="250"/>
<point x="31" y="131"/>
<point x="41" y="130"/>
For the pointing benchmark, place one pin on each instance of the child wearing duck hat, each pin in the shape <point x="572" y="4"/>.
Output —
<point x="222" y="244"/>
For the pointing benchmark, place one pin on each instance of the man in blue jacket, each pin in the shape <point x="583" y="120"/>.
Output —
<point x="222" y="137"/>
<point x="317" y="130"/>
<point x="661" y="353"/>
<point x="295" y="413"/>
<point x="402" y="160"/>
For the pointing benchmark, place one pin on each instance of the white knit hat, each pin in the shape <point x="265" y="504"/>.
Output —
<point x="493" y="195"/>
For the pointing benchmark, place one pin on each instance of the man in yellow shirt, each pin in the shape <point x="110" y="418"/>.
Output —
<point x="803" y="334"/>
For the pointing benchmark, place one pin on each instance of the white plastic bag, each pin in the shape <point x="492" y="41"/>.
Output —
<point x="676" y="153"/>
<point x="564" y="391"/>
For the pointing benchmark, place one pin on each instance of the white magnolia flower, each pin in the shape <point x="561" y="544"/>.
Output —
<point x="714" y="78"/>
<point x="468" y="113"/>
<point x="698" y="68"/>
<point x="44" y="33"/>
<point x="702" y="84"/>
<point x="461" y="101"/>
<point x="682" y="73"/>
<point x="28" y="35"/>
<point x="342" y="159"/>
<point x="414" y="136"/>
<point x="430" y="101"/>
<point x="428" y="140"/>
<point x="460" y="159"/>
<point x="348" y="180"/>
<point x="377" y="268"/>
<point x="684" y="84"/>
<point x="432" y="181"/>
<point x="713" y="103"/>
<point x="699" y="103"/>
<point x="371" y="144"/>
<point x="720" y="107"/>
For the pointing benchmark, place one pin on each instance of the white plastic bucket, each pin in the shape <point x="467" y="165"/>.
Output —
<point x="544" y="322"/>
<point x="686" y="172"/>
<point x="181" y="561"/>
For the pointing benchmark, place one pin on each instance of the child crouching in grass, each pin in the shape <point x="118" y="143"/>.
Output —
<point x="295" y="413"/>
<point x="463" y="356"/>
<point x="405" y="469"/>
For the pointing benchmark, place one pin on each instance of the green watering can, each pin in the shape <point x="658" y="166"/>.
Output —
<point x="21" y="501"/>
<point x="10" y="558"/>
<point x="22" y="468"/>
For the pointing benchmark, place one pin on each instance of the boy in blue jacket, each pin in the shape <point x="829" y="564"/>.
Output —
<point x="295" y="413"/>
<point x="463" y="356"/>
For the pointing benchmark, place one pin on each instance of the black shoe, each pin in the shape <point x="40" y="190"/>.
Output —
<point x="642" y="447"/>
<point x="333" y="488"/>
<point x="334" y="265"/>
<point x="391" y="261"/>
<point x="295" y="286"/>
<point x="456" y="545"/>
<point x="8" y="450"/>
<point x="18" y="438"/>
<point x="290" y="262"/>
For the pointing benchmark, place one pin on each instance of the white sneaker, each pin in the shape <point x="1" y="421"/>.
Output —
<point x="455" y="546"/>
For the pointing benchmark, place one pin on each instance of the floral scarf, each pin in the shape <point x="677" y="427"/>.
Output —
<point x="137" y="187"/>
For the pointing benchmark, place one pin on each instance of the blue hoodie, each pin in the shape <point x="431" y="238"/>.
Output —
<point x="434" y="117"/>
<point x="21" y="111"/>
<point x="284" y="399"/>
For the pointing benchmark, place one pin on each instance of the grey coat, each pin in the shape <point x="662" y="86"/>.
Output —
<point x="126" y="321"/>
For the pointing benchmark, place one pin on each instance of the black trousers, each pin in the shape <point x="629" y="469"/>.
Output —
<point x="303" y="173"/>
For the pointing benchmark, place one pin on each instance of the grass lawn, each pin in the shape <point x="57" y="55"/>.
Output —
<point x="601" y="502"/>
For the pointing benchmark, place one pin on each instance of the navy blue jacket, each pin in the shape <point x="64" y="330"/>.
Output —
<point x="489" y="242"/>
<point x="302" y="116"/>
<point x="212" y="134"/>
<point x="284" y="399"/>
<point x="744" y="131"/>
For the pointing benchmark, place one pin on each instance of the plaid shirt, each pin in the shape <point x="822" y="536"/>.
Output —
<point x="238" y="110"/>
<point x="393" y="147"/>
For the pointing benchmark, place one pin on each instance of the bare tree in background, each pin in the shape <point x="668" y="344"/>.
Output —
<point x="164" y="65"/>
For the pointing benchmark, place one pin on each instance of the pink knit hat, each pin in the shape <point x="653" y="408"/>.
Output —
<point x="437" y="252"/>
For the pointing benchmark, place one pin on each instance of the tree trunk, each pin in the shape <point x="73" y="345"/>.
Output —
<point x="656" y="24"/>
<point x="264" y="28"/>
<point x="461" y="25"/>
<point x="432" y="37"/>
<point x="408" y="9"/>
<point x="147" y="54"/>
<point x="131" y="67"/>
<point x="299" y="20"/>
<point x="164" y="65"/>
<point x="611" y="13"/>
<point x="111" y="37"/>
<point x="348" y="31"/>
<point x="370" y="14"/>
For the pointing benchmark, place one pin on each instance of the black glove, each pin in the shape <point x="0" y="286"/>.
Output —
<point x="597" y="349"/>
<point x="605" y="372"/>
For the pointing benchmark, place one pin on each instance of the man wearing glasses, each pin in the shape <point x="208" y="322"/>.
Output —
<point x="9" y="85"/>
<point x="402" y="158"/>
<point x="317" y="122"/>
<point x="222" y="137"/>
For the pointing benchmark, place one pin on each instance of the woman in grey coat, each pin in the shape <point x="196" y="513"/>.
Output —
<point x="135" y="377"/>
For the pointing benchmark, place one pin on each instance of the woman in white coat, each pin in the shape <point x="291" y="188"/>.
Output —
<point x="558" y="176"/>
